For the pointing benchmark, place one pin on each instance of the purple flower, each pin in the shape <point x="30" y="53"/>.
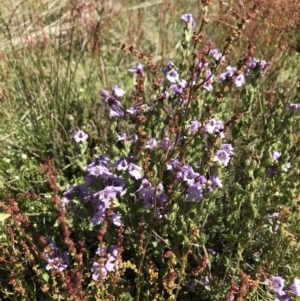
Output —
<point x="188" y="19"/>
<point x="274" y="215"/>
<point x="97" y="271"/>
<point x="111" y="100"/>
<point x="230" y="71"/>
<point x="98" y="170"/>
<point x="174" y="164"/>
<point x="283" y="297"/>
<point x="254" y="64"/>
<point x="251" y="62"/>
<point x="215" y="182"/>
<point x="140" y="109"/>
<point x="178" y="87"/>
<point x="209" y="79"/>
<point x="115" y="107"/>
<point x="54" y="258"/>
<point x="146" y="194"/>
<point x="116" y="220"/>
<point x="217" y="55"/>
<point x="137" y="69"/>
<point x="110" y="264"/>
<point x="214" y="126"/>
<point x="134" y="138"/>
<point x="168" y="67"/>
<point x="187" y="174"/>
<point x="239" y="80"/>
<point x="277" y="284"/>
<point x="172" y="76"/>
<point x="117" y="92"/>
<point x="227" y="148"/>
<point x="194" y="192"/>
<point x="294" y="107"/>
<point x="275" y="155"/>
<point x="194" y="126"/>
<point x="202" y="65"/>
<point x="135" y="171"/>
<point x="295" y="287"/>
<point x="151" y="144"/>
<point x="222" y="157"/>
<point x="122" y="164"/>
<point x="166" y="143"/>
<point x="80" y="136"/>
<point x="122" y="137"/>
<point x="108" y="194"/>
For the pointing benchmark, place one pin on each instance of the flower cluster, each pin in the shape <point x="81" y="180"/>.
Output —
<point x="284" y="294"/>
<point x="112" y="100"/>
<point x="110" y="264"/>
<point x="197" y="184"/>
<point x="54" y="258"/>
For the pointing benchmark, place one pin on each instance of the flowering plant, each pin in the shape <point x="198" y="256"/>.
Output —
<point x="196" y="196"/>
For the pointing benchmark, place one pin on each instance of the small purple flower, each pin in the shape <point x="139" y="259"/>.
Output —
<point x="202" y="65"/>
<point x="239" y="80"/>
<point x="215" y="182"/>
<point x="54" y="258"/>
<point x="277" y="284"/>
<point x="134" y="138"/>
<point x="122" y="164"/>
<point x="253" y="64"/>
<point x="217" y="55"/>
<point x="165" y="142"/>
<point x="214" y="126"/>
<point x="194" y="126"/>
<point x="227" y="148"/>
<point x="98" y="170"/>
<point x="80" y="136"/>
<point x="168" y="67"/>
<point x="222" y="157"/>
<point x="172" y="76"/>
<point x="188" y="19"/>
<point x="151" y="144"/>
<point x="146" y="194"/>
<point x="104" y="93"/>
<point x="178" y="87"/>
<point x="275" y="155"/>
<point x="295" y="287"/>
<point x="135" y="171"/>
<point x="111" y="100"/>
<point x="98" y="272"/>
<point x="194" y="192"/>
<point x="122" y="137"/>
<point x="108" y="194"/>
<point x="115" y="107"/>
<point x="117" y="92"/>
<point x="294" y="107"/>
<point x="140" y="109"/>
<point x="174" y="164"/>
<point x="116" y="220"/>
<point x="137" y="69"/>
<point x="110" y="264"/>
<point x="230" y="71"/>
<point x="209" y="79"/>
<point x="274" y="215"/>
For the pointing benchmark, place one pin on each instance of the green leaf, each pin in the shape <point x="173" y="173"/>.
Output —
<point x="45" y="276"/>
<point x="4" y="216"/>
